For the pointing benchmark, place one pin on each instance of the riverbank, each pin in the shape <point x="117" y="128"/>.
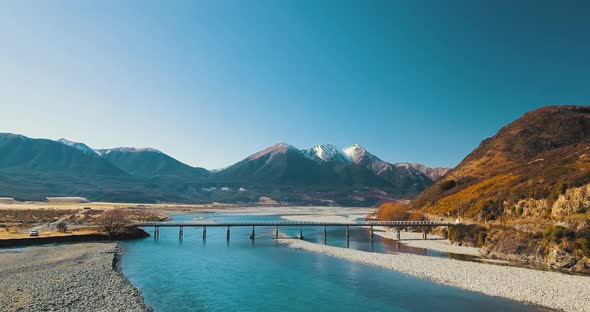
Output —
<point x="434" y="242"/>
<point x="410" y="239"/>
<point x="550" y="289"/>
<point x="71" y="277"/>
<point x="72" y="237"/>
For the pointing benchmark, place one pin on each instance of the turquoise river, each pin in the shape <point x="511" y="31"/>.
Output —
<point x="242" y="275"/>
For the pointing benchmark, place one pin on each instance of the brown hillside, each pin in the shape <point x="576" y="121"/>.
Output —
<point x="537" y="156"/>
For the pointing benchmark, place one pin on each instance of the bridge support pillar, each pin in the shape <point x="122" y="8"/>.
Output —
<point x="424" y="233"/>
<point x="277" y="232"/>
<point x="347" y="237"/>
<point x="399" y="233"/>
<point x="253" y="233"/>
<point x="204" y="232"/>
<point x="325" y="234"/>
<point x="300" y="232"/>
<point x="156" y="232"/>
<point x="180" y="232"/>
<point x="227" y="234"/>
<point x="372" y="234"/>
<point x="448" y="232"/>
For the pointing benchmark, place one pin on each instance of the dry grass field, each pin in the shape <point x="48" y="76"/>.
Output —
<point x="18" y="218"/>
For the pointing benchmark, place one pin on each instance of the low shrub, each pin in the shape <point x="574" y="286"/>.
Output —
<point x="519" y="210"/>
<point x="62" y="227"/>
<point x="447" y="185"/>
<point x="471" y="234"/>
<point x="583" y="244"/>
<point x="554" y="233"/>
<point x="481" y="238"/>
<point x="490" y="209"/>
<point x="554" y="192"/>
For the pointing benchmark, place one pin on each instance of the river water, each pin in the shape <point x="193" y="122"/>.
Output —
<point x="262" y="275"/>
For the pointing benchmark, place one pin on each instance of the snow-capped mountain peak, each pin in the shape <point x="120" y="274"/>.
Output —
<point x="77" y="145"/>
<point x="362" y="157"/>
<point x="327" y="152"/>
<point x="355" y="152"/>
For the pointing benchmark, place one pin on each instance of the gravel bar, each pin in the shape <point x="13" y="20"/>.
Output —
<point x="550" y="289"/>
<point x="71" y="277"/>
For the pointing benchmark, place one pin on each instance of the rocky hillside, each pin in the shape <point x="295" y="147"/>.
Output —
<point x="539" y="156"/>
<point x="405" y="177"/>
<point x="527" y="189"/>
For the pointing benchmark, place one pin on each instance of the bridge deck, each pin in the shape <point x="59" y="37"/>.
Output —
<point x="294" y="223"/>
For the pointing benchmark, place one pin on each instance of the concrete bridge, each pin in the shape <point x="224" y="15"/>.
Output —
<point x="424" y="225"/>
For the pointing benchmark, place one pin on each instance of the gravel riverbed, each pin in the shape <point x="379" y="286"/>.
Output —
<point x="550" y="289"/>
<point x="71" y="277"/>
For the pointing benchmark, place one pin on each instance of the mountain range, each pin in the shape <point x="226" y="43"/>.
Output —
<point x="36" y="168"/>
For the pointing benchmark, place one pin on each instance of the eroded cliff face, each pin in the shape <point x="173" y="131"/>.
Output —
<point x="575" y="201"/>
<point x="550" y="232"/>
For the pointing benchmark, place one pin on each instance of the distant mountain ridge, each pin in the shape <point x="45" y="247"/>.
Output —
<point x="20" y="154"/>
<point x="321" y="174"/>
<point x="149" y="162"/>
<point x="79" y="146"/>
<point x="326" y="164"/>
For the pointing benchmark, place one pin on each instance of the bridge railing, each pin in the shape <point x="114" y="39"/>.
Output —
<point x="296" y="223"/>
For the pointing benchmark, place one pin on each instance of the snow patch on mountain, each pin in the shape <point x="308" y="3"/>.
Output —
<point x="360" y="156"/>
<point x="127" y="149"/>
<point x="77" y="145"/>
<point x="327" y="152"/>
<point x="355" y="152"/>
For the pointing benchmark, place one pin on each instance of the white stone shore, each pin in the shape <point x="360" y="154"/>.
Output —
<point x="433" y="242"/>
<point x="550" y="289"/>
<point x="69" y="277"/>
<point x="411" y="239"/>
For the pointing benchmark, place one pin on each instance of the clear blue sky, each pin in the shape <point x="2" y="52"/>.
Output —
<point x="210" y="82"/>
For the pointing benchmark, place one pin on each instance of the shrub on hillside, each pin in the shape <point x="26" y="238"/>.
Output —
<point x="554" y="233"/>
<point x="583" y="245"/>
<point x="447" y="185"/>
<point x="470" y="234"/>
<point x="490" y="209"/>
<point x="520" y="210"/>
<point x="554" y="192"/>
<point x="481" y="238"/>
